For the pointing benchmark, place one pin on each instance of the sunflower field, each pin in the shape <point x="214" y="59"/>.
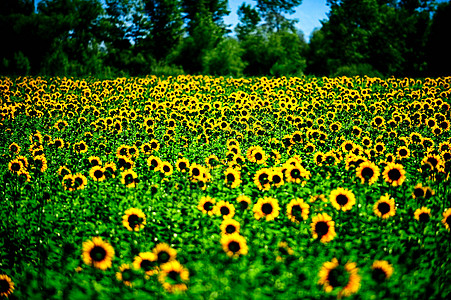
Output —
<point x="206" y="187"/>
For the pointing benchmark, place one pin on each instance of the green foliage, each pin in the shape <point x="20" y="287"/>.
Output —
<point x="357" y="70"/>
<point x="95" y="37"/>
<point x="45" y="223"/>
<point x="224" y="59"/>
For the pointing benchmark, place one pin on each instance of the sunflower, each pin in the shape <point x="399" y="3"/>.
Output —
<point x="23" y="176"/>
<point x="60" y="125"/>
<point x="422" y="214"/>
<point x="147" y="262"/>
<point x="182" y="164"/>
<point x="15" y="166"/>
<point x="164" y="253"/>
<point x="134" y="219"/>
<point x="122" y="150"/>
<point x="418" y="191"/>
<point x="212" y="161"/>
<point x="196" y="171"/>
<point x="207" y="205"/>
<point x="225" y="209"/>
<point x="40" y="163"/>
<point x="36" y="138"/>
<point x="97" y="173"/>
<point x="80" y="181"/>
<point x="97" y="253"/>
<point x="81" y="147"/>
<point x="394" y="174"/>
<point x="126" y="275"/>
<point x="244" y="201"/>
<point x="232" y="178"/>
<point x="297" y="210"/>
<point x="166" y="168"/>
<point x="347" y="146"/>
<point x="403" y="152"/>
<point x="230" y="226"/>
<point x="267" y="208"/>
<point x="110" y="169"/>
<point x="276" y="177"/>
<point x="14" y="148"/>
<point x="63" y="171"/>
<point x="173" y="277"/>
<point x="129" y="178"/>
<point x="323" y="228"/>
<point x="6" y="286"/>
<point x="234" y="245"/>
<point x="342" y="199"/>
<point x="381" y="270"/>
<point x="368" y="171"/>
<point x="261" y="179"/>
<point x="378" y="122"/>
<point x="447" y="219"/>
<point x="256" y="155"/>
<point x="332" y="276"/>
<point x="283" y="251"/>
<point x="385" y="207"/>
<point x="23" y="160"/>
<point x="433" y="160"/>
<point x="296" y="174"/>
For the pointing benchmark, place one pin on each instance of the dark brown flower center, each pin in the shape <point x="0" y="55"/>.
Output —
<point x="383" y="208"/>
<point x="342" y="199"/>
<point x="394" y="174"/>
<point x="230" y="229"/>
<point x="234" y="246"/>
<point x="146" y="265"/>
<point x="230" y="177"/>
<point x="97" y="253"/>
<point x="337" y="277"/>
<point x="367" y="172"/>
<point x="208" y="206"/>
<point x="418" y="192"/>
<point x="267" y="208"/>
<point x="378" y="275"/>
<point x="4" y="286"/>
<point x="163" y="257"/>
<point x="424" y="217"/>
<point x="98" y="174"/>
<point x="224" y="210"/>
<point x="321" y="228"/>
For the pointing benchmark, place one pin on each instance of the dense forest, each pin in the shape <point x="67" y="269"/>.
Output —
<point x="170" y="37"/>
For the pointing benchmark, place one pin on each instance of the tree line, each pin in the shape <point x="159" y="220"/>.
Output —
<point x="171" y="37"/>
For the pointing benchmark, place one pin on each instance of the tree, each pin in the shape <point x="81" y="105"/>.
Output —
<point x="206" y="29"/>
<point x="272" y="13"/>
<point x="165" y="22"/>
<point x="438" y="49"/>
<point x="249" y="19"/>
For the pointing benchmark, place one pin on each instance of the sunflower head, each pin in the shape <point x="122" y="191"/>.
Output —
<point x="337" y="277"/>
<point x="267" y="208"/>
<point x="381" y="271"/>
<point x="6" y="286"/>
<point x="230" y="226"/>
<point x="234" y="245"/>
<point x="147" y="262"/>
<point x="98" y="253"/>
<point x="164" y="253"/>
<point x="173" y="277"/>
<point x="342" y="199"/>
<point x="297" y="210"/>
<point x="323" y="228"/>
<point x="134" y="219"/>
<point x="385" y="207"/>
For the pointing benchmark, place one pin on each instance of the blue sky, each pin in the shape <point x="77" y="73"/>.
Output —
<point x="309" y="14"/>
